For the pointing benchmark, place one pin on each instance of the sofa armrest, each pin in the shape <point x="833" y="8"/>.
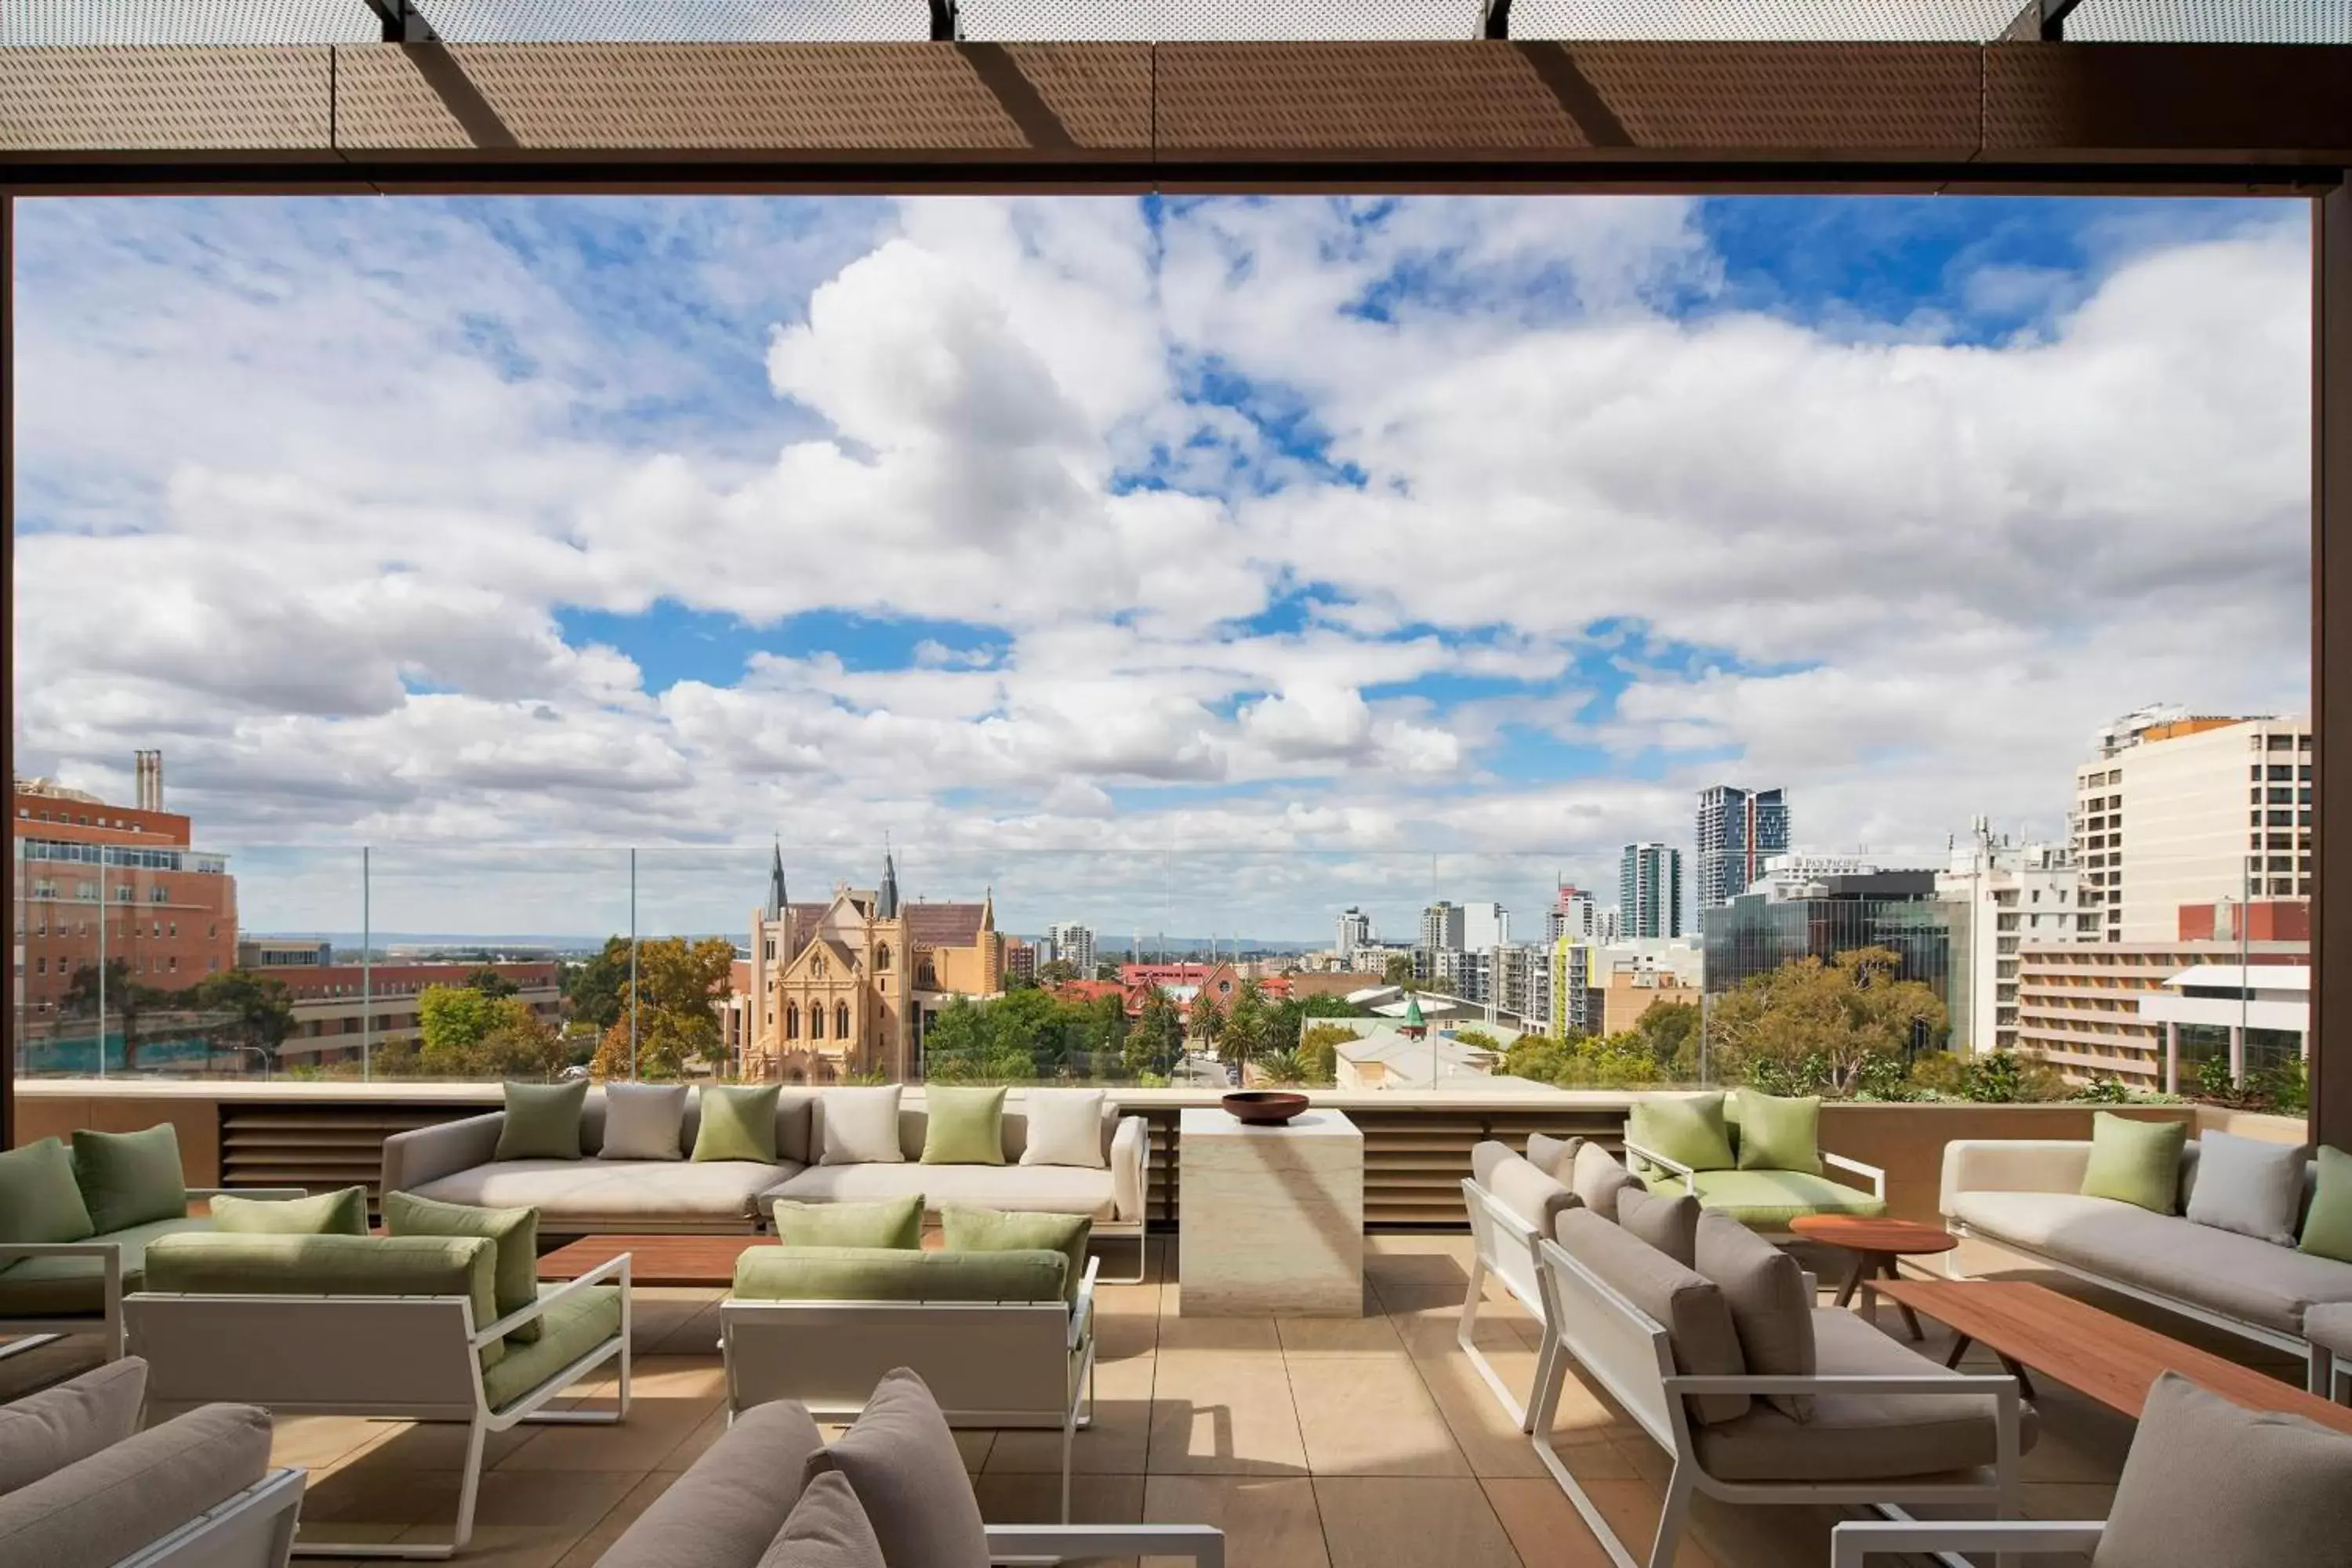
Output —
<point x="425" y="1154"/>
<point x="2013" y="1166"/>
<point x="1131" y="1154"/>
<point x="1876" y="1176"/>
<point x="110" y="1261"/>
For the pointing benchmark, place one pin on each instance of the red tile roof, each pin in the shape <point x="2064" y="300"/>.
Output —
<point x="943" y="925"/>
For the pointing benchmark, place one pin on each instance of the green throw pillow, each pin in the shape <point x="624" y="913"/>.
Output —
<point x="129" y="1178"/>
<point x="542" y="1121"/>
<point x="1687" y="1129"/>
<point x="1777" y="1135"/>
<point x="963" y="1126"/>
<point x="896" y="1222"/>
<point x="514" y="1277"/>
<point x="739" y="1122"/>
<point x="340" y="1213"/>
<point x="2136" y="1162"/>
<point x="1000" y="1230"/>
<point x="39" y="1199"/>
<point x="2328" y="1229"/>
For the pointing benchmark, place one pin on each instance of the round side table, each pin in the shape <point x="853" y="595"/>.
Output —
<point x="1875" y="1244"/>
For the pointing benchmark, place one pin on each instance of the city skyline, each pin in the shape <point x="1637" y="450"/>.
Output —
<point x="1085" y="550"/>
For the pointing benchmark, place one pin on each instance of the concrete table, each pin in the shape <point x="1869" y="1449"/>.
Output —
<point x="1272" y="1218"/>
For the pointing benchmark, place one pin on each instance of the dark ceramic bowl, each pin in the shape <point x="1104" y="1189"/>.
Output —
<point x="1265" y="1107"/>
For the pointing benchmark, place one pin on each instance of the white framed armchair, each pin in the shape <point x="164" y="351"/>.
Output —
<point x="1504" y="1233"/>
<point x="60" y="1279"/>
<point x="274" y="1322"/>
<point x="1767" y="1200"/>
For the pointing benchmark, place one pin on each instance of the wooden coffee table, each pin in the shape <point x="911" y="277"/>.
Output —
<point x="1875" y="1244"/>
<point x="705" y="1261"/>
<point x="2113" y="1360"/>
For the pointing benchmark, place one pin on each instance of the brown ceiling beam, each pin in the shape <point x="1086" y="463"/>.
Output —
<point x="1467" y="115"/>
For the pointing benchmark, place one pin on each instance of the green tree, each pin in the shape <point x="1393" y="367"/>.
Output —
<point x="1282" y="1070"/>
<point x="1398" y="971"/>
<point x="1157" y="1038"/>
<point x="1248" y="1029"/>
<point x="1106" y="970"/>
<point x="1670" y="1031"/>
<point x="1319" y="1043"/>
<point x="1821" y="1023"/>
<point x="128" y="1003"/>
<point x="252" y="1012"/>
<point x="593" y="991"/>
<point x="1477" y="1039"/>
<point x="452" y="1019"/>
<point x="1058" y="972"/>
<point x="679" y="985"/>
<point x="490" y="982"/>
<point x="1208" y="1023"/>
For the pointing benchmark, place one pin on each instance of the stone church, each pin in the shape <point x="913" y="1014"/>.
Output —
<point x="843" y="989"/>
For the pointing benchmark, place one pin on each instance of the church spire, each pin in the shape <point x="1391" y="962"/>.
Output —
<point x="887" y="908"/>
<point x="777" y="902"/>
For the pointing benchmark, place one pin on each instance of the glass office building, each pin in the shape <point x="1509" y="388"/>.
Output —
<point x="1755" y="933"/>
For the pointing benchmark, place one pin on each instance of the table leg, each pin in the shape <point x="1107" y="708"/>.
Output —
<point x="2015" y="1369"/>
<point x="1860" y="1271"/>
<point x="1910" y="1319"/>
<point x="1960" y="1343"/>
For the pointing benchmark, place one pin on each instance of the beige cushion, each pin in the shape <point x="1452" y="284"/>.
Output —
<point x="1686" y="1304"/>
<point x="1860" y="1436"/>
<point x="572" y="1190"/>
<point x="1485" y="1155"/>
<point x="2208" y="1483"/>
<point x="644" y="1122"/>
<point x="1527" y="1193"/>
<point x="828" y="1529"/>
<point x="1065" y="1127"/>
<point x="858" y="1126"/>
<point x="2236" y="1276"/>
<point x="1772" y="1311"/>
<point x="136" y="1491"/>
<point x="1555" y="1157"/>
<point x="1597" y="1176"/>
<point x="1670" y="1225"/>
<point x="727" y="1508"/>
<point x="45" y="1432"/>
<point x="1051" y="1189"/>
<point x="909" y="1475"/>
<point x="795" y="1110"/>
<point x="2249" y="1185"/>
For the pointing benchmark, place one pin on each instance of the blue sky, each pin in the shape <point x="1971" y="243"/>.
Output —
<point x="1045" y="535"/>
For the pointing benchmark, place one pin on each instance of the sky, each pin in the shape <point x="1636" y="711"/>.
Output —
<point x="1170" y="565"/>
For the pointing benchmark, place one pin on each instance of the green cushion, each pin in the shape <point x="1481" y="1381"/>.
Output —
<point x="893" y="1222"/>
<point x="1769" y="1200"/>
<point x="739" y="1122"/>
<point x="1777" y="1135"/>
<point x="514" y="1232"/>
<point x="571" y="1328"/>
<point x="129" y="1178"/>
<point x="963" y="1126"/>
<point x="76" y="1287"/>
<point x="206" y="1263"/>
<point x="38" y="1198"/>
<point x="878" y="1274"/>
<point x="1687" y="1129"/>
<point x="2328" y="1228"/>
<point x="1000" y="1230"/>
<point x="340" y="1213"/>
<point x="2136" y="1162"/>
<point x="542" y="1121"/>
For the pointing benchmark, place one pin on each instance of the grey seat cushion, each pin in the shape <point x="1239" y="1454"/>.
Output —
<point x="2220" y="1271"/>
<point x="723" y="1512"/>
<point x="2329" y="1326"/>
<point x="137" y="1491"/>
<point x="1686" y="1303"/>
<point x="1859" y="1437"/>
<point x="709" y="1190"/>
<point x="1043" y="1189"/>
<point x="1520" y="1187"/>
<point x="43" y="1433"/>
<point x="76" y="1287"/>
<point x="902" y="1461"/>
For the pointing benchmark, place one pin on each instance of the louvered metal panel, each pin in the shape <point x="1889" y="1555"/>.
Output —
<point x="317" y="1145"/>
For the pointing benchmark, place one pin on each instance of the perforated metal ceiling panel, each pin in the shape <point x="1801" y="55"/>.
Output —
<point x="1217" y="21"/>
<point x="677" y="21"/>
<point x="185" y="22"/>
<point x="1827" y="21"/>
<point x="2212" y="21"/>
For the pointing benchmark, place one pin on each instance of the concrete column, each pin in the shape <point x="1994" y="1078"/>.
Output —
<point x="2171" y="1058"/>
<point x="2237" y="1053"/>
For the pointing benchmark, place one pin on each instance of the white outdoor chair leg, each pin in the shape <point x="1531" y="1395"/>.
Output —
<point x="1672" y="1518"/>
<point x="1466" y="1335"/>
<point x="468" y="1488"/>
<point x="1142" y="1263"/>
<point x="1069" y="1433"/>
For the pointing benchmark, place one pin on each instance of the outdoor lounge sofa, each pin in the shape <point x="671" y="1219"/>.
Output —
<point x="401" y="1327"/>
<point x="80" y="1483"/>
<point x="456" y="1161"/>
<point x="1765" y="1195"/>
<point x="735" y="1499"/>
<point x="2025" y="1195"/>
<point x="995" y="1335"/>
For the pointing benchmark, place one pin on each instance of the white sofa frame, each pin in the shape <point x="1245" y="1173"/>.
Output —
<point x="1628" y="1353"/>
<point x="2317" y="1362"/>
<point x="1877" y="1177"/>
<point x="108" y="1323"/>
<point x="299" y="1355"/>
<point x="1503" y="1243"/>
<point x="1201" y="1544"/>
<point x="1851" y="1544"/>
<point x="254" y="1529"/>
<point x="999" y="1364"/>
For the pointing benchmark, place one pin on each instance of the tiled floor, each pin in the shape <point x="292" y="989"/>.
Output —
<point x="1314" y="1444"/>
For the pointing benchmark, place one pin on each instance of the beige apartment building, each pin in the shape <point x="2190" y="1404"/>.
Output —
<point x="2184" y="809"/>
<point x="2078" y="1003"/>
